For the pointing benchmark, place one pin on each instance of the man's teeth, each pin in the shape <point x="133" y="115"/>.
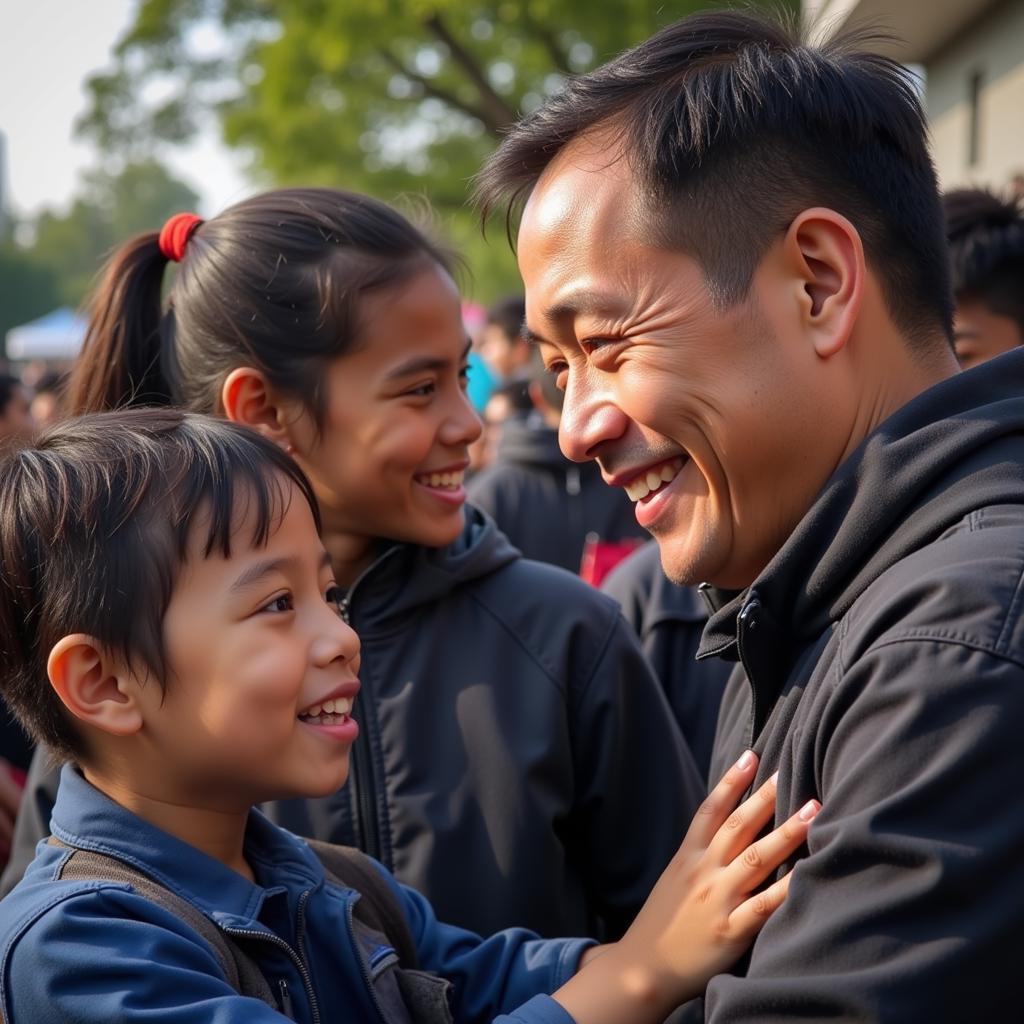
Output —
<point x="337" y="708"/>
<point x="448" y="480"/>
<point x="653" y="479"/>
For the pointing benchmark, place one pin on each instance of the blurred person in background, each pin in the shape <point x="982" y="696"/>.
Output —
<point x="986" y="251"/>
<point x="47" y="396"/>
<point x="546" y="505"/>
<point x="502" y="345"/>
<point x="15" y="409"/>
<point x="15" y="747"/>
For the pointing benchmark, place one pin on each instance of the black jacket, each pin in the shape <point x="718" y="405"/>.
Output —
<point x="512" y="743"/>
<point x="670" y="621"/>
<point x="881" y="670"/>
<point x="545" y="504"/>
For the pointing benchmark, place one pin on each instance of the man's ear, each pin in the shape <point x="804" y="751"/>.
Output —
<point x="825" y="253"/>
<point x="93" y="686"/>
<point x="248" y="398"/>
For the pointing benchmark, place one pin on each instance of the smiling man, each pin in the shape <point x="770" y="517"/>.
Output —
<point x="734" y="258"/>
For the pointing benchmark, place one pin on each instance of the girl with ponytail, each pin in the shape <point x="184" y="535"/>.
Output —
<point x="508" y="721"/>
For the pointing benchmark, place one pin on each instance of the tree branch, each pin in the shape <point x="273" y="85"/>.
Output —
<point x="498" y="109"/>
<point x="550" y="42"/>
<point x="439" y="93"/>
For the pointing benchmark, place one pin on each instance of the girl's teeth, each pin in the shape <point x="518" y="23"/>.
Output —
<point x="448" y="480"/>
<point x="314" y="711"/>
<point x="329" y="706"/>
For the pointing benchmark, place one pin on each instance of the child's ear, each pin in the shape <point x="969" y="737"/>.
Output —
<point x="94" y="687"/>
<point x="248" y="398"/>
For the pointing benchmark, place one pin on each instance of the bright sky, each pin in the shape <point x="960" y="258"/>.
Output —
<point x="47" y="49"/>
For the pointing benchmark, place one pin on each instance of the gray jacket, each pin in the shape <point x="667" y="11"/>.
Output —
<point x="880" y="668"/>
<point x="513" y="741"/>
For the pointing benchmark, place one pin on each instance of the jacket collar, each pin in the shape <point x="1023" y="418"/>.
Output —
<point x="953" y="449"/>
<point x="88" y="819"/>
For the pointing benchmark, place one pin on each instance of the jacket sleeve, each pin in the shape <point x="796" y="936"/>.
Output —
<point x="910" y="902"/>
<point x="635" y="778"/>
<point x="33" y="821"/>
<point x="109" y="955"/>
<point x="503" y="973"/>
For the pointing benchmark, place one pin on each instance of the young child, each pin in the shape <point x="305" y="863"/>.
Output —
<point x="164" y="572"/>
<point x="507" y="714"/>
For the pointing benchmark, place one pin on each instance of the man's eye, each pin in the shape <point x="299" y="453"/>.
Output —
<point x="281" y="603"/>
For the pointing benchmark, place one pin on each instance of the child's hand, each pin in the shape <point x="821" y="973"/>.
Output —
<point x="700" y="916"/>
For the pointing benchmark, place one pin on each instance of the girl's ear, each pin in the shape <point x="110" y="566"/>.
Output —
<point x="248" y="398"/>
<point x="96" y="688"/>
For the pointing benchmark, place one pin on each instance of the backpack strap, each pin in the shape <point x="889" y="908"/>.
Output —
<point x="378" y="908"/>
<point x="241" y="971"/>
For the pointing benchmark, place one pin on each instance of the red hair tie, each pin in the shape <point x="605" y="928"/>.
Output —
<point x="174" y="235"/>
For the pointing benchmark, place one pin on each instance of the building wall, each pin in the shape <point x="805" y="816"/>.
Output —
<point x="987" y="58"/>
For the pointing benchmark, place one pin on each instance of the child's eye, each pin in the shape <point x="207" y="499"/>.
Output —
<point x="336" y="596"/>
<point x="464" y="376"/>
<point x="423" y="391"/>
<point x="281" y="603"/>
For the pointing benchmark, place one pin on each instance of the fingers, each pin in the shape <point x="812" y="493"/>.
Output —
<point x="750" y="916"/>
<point x="721" y="801"/>
<point x="759" y="860"/>
<point x="745" y="823"/>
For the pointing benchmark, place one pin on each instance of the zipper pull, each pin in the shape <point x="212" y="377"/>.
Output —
<point x="286" y="1000"/>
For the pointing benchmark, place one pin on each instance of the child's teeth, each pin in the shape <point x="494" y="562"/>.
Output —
<point x="314" y="711"/>
<point x="343" y="705"/>
<point x="329" y="706"/>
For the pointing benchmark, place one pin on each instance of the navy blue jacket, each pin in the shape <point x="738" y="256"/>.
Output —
<point x="96" y="951"/>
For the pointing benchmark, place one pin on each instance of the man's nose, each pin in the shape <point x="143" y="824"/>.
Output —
<point x="589" y="420"/>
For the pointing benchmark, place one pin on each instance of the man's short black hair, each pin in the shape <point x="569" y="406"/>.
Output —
<point x="732" y="126"/>
<point x="95" y="520"/>
<point x="986" y="250"/>
<point x="508" y="314"/>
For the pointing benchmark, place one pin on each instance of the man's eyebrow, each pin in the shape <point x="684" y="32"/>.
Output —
<point x="425" y="364"/>
<point x="586" y="302"/>
<point x="259" y="571"/>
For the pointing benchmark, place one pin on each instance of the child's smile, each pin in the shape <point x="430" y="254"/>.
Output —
<point x="263" y="670"/>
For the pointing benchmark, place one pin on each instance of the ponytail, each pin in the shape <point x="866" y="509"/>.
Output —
<point x="120" y="361"/>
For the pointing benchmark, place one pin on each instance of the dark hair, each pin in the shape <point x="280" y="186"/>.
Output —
<point x="508" y="314"/>
<point x="273" y="282"/>
<point x="986" y="249"/>
<point x="9" y="387"/>
<point x="95" y="520"/>
<point x="732" y="126"/>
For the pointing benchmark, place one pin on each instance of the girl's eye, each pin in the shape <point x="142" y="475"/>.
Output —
<point x="281" y="603"/>
<point x="423" y="391"/>
<point x="464" y="372"/>
<point x="336" y="596"/>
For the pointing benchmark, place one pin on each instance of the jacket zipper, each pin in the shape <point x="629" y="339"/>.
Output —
<point x="307" y="981"/>
<point x="364" y="776"/>
<point x="286" y="1000"/>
